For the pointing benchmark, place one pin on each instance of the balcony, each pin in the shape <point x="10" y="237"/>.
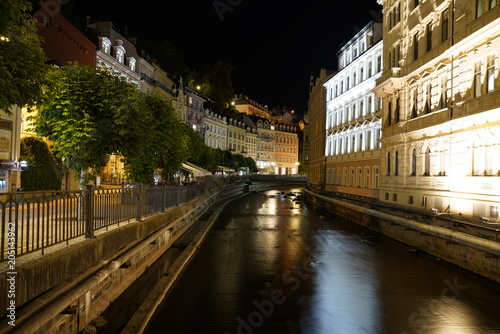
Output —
<point x="389" y="82"/>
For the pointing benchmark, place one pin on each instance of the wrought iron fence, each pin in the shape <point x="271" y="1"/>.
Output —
<point x="33" y="221"/>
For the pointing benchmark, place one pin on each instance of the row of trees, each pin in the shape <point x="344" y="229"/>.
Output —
<point x="94" y="112"/>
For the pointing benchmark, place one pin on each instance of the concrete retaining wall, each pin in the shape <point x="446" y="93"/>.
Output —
<point x="473" y="253"/>
<point x="63" y="291"/>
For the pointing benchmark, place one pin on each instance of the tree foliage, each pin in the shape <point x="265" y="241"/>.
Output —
<point x="165" y="147"/>
<point x="44" y="172"/>
<point x="22" y="70"/>
<point x="93" y="113"/>
<point x="215" y="82"/>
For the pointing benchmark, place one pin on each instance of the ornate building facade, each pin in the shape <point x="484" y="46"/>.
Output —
<point x="441" y="106"/>
<point x="353" y="117"/>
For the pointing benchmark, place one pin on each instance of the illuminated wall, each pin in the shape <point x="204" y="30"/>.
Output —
<point x="441" y="106"/>
<point x="316" y="114"/>
<point x="353" y="116"/>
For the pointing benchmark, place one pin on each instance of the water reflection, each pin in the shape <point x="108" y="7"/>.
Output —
<point x="271" y="265"/>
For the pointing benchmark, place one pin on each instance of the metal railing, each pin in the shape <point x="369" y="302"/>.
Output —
<point x="33" y="221"/>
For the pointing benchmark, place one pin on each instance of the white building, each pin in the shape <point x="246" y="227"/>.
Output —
<point x="215" y="130"/>
<point x="353" y="116"/>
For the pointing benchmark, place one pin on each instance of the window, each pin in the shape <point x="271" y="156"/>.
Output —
<point x="352" y="178"/>
<point x="415" y="46"/>
<point x="386" y="196"/>
<point x="370" y="68"/>
<point x="443" y="101"/>
<point x="427" y="104"/>
<point x="396" y="163"/>
<point x="367" y="177"/>
<point x="396" y="111"/>
<point x="478" y="160"/>
<point x="416" y="3"/>
<point x="477" y="79"/>
<point x="368" y="145"/>
<point x="494" y="211"/>
<point x="360" y="178"/>
<point x="389" y="113"/>
<point x="429" y="36"/>
<point x="414" y="106"/>
<point x="379" y="63"/>
<point x="376" y="178"/>
<point x="388" y="163"/>
<point x="444" y="25"/>
<point x="410" y="199"/>
<point x="394" y="197"/>
<point x="427" y="170"/>
<point x="413" y="162"/>
<point x="479" y="7"/>
<point x="490" y="74"/>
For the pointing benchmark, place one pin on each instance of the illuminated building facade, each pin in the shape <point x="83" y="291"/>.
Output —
<point x="286" y="149"/>
<point x="243" y="104"/>
<point x="195" y="112"/>
<point x="316" y="115"/>
<point x="115" y="51"/>
<point x="353" y="117"/>
<point x="277" y="148"/>
<point x="441" y="106"/>
<point x="215" y="130"/>
<point x="10" y="147"/>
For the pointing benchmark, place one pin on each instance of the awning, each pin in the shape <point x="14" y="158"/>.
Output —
<point x="196" y="170"/>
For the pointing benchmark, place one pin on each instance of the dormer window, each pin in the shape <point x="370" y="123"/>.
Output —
<point x="119" y="51"/>
<point x="131" y="63"/>
<point x="105" y="45"/>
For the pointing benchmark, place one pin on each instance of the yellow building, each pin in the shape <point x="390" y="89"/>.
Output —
<point x="316" y="114"/>
<point x="247" y="106"/>
<point x="441" y="106"/>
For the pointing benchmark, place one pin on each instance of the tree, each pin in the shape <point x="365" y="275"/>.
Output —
<point x="166" y="146"/>
<point x="93" y="113"/>
<point x="215" y="82"/>
<point x="23" y="70"/>
<point x="251" y="165"/>
<point x="167" y="56"/>
<point x="43" y="171"/>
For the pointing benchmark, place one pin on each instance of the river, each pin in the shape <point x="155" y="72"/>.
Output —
<point x="271" y="264"/>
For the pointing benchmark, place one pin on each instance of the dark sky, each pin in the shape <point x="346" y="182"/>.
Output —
<point x="273" y="45"/>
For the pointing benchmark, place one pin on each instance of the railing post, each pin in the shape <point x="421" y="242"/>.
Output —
<point x="89" y="210"/>
<point x="139" y="202"/>
<point x="164" y="198"/>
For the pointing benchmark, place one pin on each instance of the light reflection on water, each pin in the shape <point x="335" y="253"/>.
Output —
<point x="333" y="276"/>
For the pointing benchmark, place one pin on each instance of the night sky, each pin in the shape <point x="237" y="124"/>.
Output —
<point x="273" y="45"/>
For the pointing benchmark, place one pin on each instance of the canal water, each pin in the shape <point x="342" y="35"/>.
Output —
<point x="273" y="265"/>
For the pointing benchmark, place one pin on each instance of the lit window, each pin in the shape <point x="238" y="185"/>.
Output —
<point x="414" y="163"/>
<point x="477" y="79"/>
<point x="444" y="25"/>
<point x="479" y="7"/>
<point x="490" y="74"/>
